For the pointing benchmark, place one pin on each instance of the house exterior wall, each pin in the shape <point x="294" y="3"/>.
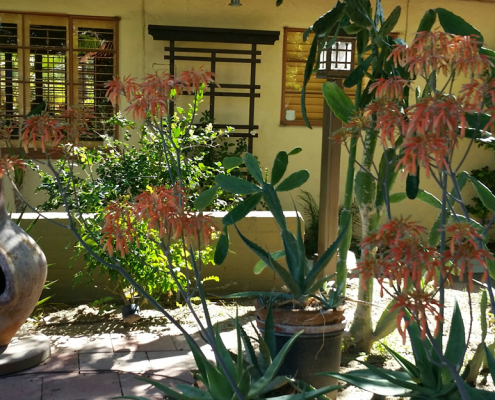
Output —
<point x="140" y="54"/>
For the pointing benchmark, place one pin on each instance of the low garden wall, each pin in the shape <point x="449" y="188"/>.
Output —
<point x="236" y="274"/>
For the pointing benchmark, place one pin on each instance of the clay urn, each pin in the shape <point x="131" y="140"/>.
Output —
<point x="22" y="274"/>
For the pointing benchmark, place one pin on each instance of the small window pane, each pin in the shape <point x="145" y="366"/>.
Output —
<point x="48" y="36"/>
<point x="9" y="74"/>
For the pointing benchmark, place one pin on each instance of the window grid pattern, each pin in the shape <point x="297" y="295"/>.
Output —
<point x="9" y="72"/>
<point x="40" y="62"/>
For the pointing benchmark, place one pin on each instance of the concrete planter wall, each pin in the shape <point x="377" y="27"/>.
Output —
<point x="236" y="274"/>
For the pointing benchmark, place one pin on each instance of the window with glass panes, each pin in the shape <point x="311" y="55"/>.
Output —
<point x="59" y="61"/>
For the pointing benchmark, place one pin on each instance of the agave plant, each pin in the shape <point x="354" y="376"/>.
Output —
<point x="428" y="377"/>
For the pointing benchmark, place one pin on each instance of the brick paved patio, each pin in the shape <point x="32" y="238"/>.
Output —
<point x="103" y="366"/>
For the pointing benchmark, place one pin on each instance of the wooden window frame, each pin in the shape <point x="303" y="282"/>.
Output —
<point x="283" y="120"/>
<point x="74" y="86"/>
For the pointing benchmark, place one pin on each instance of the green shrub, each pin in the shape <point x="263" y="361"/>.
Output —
<point x="117" y="171"/>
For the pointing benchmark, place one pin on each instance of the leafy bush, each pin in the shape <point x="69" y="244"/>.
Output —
<point x="119" y="170"/>
<point x="487" y="177"/>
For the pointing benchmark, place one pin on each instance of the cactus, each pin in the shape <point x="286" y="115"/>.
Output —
<point x="303" y="280"/>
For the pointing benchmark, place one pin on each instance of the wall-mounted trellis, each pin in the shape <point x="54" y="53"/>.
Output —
<point x="177" y="51"/>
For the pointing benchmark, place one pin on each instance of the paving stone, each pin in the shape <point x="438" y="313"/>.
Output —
<point x="81" y="386"/>
<point x="119" y="361"/>
<point x="131" y="386"/>
<point x="59" y="361"/>
<point x="131" y="362"/>
<point x="142" y="342"/>
<point x="83" y="344"/>
<point x="229" y="339"/>
<point x="181" y="342"/>
<point x="25" y="388"/>
<point x="172" y="363"/>
<point x="96" y="361"/>
<point x="185" y="377"/>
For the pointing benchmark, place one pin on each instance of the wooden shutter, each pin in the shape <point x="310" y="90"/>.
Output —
<point x="11" y="71"/>
<point x="295" y="55"/>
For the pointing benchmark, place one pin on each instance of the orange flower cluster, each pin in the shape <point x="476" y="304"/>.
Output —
<point x="464" y="251"/>
<point x="44" y="128"/>
<point x="8" y="163"/>
<point x="396" y="253"/>
<point x="155" y="92"/>
<point x="431" y="128"/>
<point x="391" y="88"/>
<point x="440" y="52"/>
<point x="6" y="132"/>
<point x="420" y="303"/>
<point x="77" y="123"/>
<point x="162" y="210"/>
<point x="51" y="131"/>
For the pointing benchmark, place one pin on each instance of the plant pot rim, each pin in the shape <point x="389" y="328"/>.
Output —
<point x="302" y="318"/>
<point x="307" y="330"/>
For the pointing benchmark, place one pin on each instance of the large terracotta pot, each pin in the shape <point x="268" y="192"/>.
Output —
<point x="22" y="275"/>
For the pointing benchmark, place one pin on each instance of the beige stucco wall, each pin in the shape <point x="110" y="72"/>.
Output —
<point x="235" y="274"/>
<point x="139" y="54"/>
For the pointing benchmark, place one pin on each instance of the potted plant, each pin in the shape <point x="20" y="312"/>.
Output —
<point x="256" y="373"/>
<point x="307" y="305"/>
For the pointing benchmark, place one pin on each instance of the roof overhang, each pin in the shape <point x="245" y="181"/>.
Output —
<point x="218" y="35"/>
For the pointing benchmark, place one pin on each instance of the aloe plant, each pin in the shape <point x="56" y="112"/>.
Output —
<point x="256" y="377"/>
<point x="374" y="44"/>
<point x="302" y="280"/>
<point x="372" y="35"/>
<point x="429" y="377"/>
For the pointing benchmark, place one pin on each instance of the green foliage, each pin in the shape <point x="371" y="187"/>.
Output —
<point x="311" y="213"/>
<point x="486" y="176"/>
<point x="117" y="171"/>
<point x="38" y="310"/>
<point x="341" y="105"/>
<point x="428" y="377"/>
<point x="146" y="263"/>
<point x="303" y="280"/>
<point x="255" y="375"/>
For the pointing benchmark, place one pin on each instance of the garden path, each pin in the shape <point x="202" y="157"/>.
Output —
<point x="95" y="356"/>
